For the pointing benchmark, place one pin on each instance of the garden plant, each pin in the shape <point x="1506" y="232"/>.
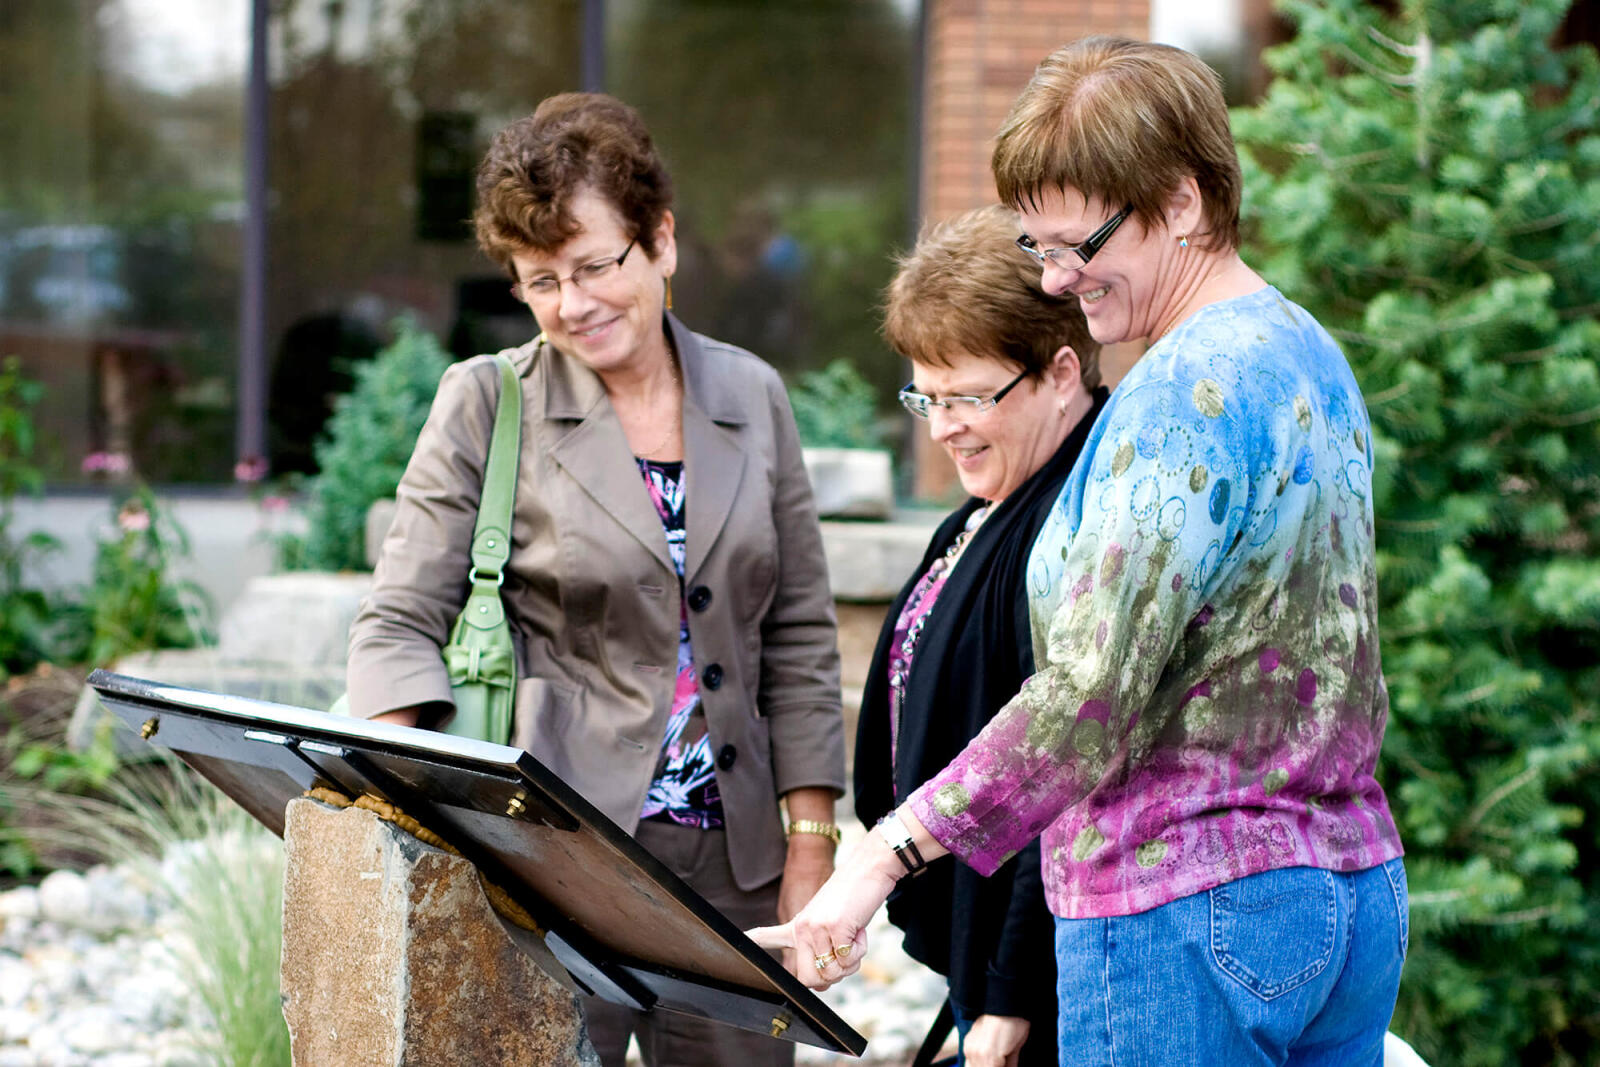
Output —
<point x="1424" y="176"/>
<point x="369" y="440"/>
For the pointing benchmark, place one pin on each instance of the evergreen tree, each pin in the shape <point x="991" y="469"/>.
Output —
<point x="1424" y="176"/>
<point x="368" y="444"/>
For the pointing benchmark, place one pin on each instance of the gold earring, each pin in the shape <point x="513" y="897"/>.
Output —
<point x="1183" y="242"/>
<point x="669" y="292"/>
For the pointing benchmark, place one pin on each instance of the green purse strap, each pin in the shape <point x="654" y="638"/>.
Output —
<point x="491" y="537"/>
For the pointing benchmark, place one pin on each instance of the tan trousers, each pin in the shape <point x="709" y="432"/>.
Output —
<point x="667" y="1039"/>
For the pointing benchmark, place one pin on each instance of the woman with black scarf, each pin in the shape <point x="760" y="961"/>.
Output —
<point x="1007" y="378"/>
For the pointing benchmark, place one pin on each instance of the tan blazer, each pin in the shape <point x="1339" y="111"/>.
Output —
<point x="593" y="598"/>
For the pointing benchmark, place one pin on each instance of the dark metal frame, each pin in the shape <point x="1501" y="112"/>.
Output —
<point x="570" y="867"/>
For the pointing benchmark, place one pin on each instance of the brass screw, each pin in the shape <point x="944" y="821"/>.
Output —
<point x="151" y="725"/>
<point x="780" y="1023"/>
<point x="515" y="806"/>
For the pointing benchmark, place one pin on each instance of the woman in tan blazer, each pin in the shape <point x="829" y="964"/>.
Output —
<point x="666" y="587"/>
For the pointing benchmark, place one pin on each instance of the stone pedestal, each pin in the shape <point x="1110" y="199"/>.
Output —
<point x="392" y="956"/>
<point x="851" y="483"/>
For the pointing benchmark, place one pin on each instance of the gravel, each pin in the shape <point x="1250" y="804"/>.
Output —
<point x="91" y="974"/>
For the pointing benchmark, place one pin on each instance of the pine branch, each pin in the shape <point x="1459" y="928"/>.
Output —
<point x="1575" y="418"/>
<point x="1393" y="45"/>
<point x="1531" y="355"/>
<point x="1488" y="803"/>
<point x="1394" y="392"/>
<point x="1514" y="918"/>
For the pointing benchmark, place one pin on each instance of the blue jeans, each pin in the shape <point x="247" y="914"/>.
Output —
<point x="1298" y="966"/>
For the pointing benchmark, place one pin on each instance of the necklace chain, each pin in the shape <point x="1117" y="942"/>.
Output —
<point x="672" y="421"/>
<point x="953" y="553"/>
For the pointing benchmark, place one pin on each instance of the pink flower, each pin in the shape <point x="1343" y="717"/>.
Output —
<point x="109" y="462"/>
<point x="274" y="504"/>
<point x="133" y="518"/>
<point x="250" y="469"/>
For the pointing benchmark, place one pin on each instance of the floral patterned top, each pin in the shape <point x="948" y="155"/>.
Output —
<point x="684" y="789"/>
<point x="1210" y="702"/>
<point x="913" y="620"/>
<point x="907" y="633"/>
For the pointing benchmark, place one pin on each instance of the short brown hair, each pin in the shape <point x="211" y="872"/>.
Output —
<point x="966" y="287"/>
<point x="1124" y="121"/>
<point x="535" y="165"/>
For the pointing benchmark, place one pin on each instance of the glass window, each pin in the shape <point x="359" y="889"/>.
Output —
<point x="119" y="218"/>
<point x="381" y="110"/>
<point x="787" y="125"/>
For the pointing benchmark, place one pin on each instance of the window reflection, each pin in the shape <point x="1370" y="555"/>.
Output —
<point x="380" y="111"/>
<point x="119" y="207"/>
<point x="787" y="125"/>
<point x="785" y="122"/>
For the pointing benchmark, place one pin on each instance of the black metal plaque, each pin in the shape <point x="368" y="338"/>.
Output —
<point x="625" y="927"/>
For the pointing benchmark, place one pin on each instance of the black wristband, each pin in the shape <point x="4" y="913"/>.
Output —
<point x="898" y="838"/>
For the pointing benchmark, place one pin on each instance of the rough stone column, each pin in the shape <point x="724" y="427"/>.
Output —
<point x="393" y="956"/>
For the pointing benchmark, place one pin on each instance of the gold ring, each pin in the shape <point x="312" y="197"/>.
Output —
<point x="821" y="962"/>
<point x="843" y="950"/>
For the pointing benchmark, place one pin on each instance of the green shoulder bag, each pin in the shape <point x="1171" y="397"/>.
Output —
<point x="480" y="656"/>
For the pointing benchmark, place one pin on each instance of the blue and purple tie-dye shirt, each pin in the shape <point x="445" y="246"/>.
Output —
<point x="1210" y="702"/>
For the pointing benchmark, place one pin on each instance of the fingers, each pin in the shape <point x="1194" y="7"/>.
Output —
<point x="816" y="956"/>
<point x="829" y="959"/>
<point x="850" y="953"/>
<point x="772" y="936"/>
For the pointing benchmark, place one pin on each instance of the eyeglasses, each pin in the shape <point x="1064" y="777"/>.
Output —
<point x="1075" y="257"/>
<point x="960" y="408"/>
<point x="585" y="277"/>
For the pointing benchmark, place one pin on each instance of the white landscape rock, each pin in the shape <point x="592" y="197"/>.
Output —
<point x="851" y="483"/>
<point x="22" y="903"/>
<point x="78" y="990"/>
<point x="65" y="897"/>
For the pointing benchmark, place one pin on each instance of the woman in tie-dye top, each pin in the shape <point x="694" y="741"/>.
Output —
<point x="1197" y="747"/>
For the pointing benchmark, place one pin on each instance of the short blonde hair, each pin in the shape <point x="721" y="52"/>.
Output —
<point x="1123" y="121"/>
<point x="966" y="287"/>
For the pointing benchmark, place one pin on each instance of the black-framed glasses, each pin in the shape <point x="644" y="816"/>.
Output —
<point x="590" y="274"/>
<point x="1075" y="257"/>
<point x="960" y="408"/>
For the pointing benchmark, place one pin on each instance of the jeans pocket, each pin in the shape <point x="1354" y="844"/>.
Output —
<point x="1274" y="932"/>
<point x="1396" y="870"/>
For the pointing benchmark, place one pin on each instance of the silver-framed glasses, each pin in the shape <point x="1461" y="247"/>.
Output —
<point x="960" y="408"/>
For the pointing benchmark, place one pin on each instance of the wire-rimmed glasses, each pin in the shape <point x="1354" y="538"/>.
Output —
<point x="591" y="274"/>
<point x="960" y="408"/>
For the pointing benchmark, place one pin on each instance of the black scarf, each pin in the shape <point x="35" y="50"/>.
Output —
<point x="973" y="656"/>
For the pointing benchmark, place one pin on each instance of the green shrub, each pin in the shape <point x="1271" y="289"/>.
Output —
<point x="34" y="712"/>
<point x="1424" y="176"/>
<point x="370" y="438"/>
<point x="25" y="612"/>
<point x="835" y="407"/>
<point x="133" y="602"/>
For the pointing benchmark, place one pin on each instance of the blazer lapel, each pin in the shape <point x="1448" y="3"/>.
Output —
<point x="714" y="455"/>
<point x="595" y="451"/>
<point x="713" y="467"/>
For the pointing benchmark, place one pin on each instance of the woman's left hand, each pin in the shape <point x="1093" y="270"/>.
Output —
<point x="995" y="1041"/>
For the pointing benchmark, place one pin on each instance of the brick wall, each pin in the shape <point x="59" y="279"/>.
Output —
<point x="980" y="53"/>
